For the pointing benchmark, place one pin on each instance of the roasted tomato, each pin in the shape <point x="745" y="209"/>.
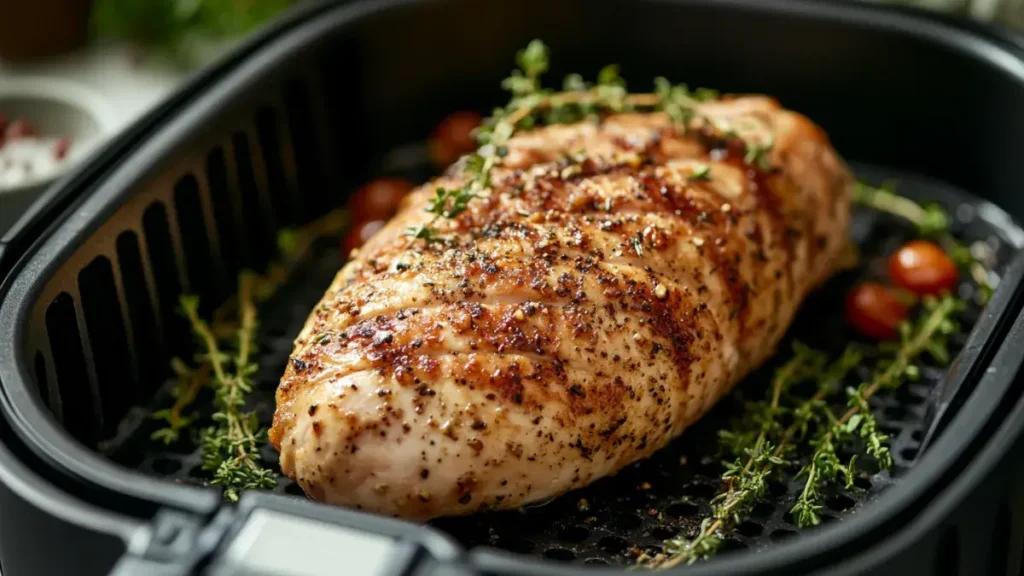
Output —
<point x="359" y="235"/>
<point x="453" y="137"/>
<point x="875" y="311"/>
<point x="19" y="129"/>
<point x="922" y="267"/>
<point x="378" y="199"/>
<point x="60" y="148"/>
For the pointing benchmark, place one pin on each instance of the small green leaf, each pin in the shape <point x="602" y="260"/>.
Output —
<point x="701" y="172"/>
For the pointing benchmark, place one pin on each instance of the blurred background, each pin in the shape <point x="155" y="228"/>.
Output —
<point x="75" y="72"/>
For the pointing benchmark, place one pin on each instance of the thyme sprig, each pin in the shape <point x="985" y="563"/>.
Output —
<point x="187" y="386"/>
<point x="532" y="105"/>
<point x="745" y="481"/>
<point x="928" y="335"/>
<point x="931" y="221"/>
<point x="230" y="447"/>
<point x="292" y="245"/>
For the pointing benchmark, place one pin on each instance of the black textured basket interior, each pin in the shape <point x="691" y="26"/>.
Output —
<point x="615" y="519"/>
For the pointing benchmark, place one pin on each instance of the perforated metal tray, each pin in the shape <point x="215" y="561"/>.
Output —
<point x="616" y="519"/>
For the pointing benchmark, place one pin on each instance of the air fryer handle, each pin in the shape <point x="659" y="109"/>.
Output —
<point x="272" y="543"/>
<point x="269" y="535"/>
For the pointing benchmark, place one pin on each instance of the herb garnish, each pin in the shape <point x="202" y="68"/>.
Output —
<point x="927" y="335"/>
<point x="230" y="447"/>
<point x="744" y="483"/>
<point x="532" y="105"/>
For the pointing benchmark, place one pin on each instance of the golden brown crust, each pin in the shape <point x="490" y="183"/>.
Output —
<point x="595" y="303"/>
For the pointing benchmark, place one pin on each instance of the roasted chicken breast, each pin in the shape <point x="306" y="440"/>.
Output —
<point x="616" y="280"/>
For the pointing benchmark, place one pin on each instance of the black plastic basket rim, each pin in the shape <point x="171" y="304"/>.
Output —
<point x="206" y="97"/>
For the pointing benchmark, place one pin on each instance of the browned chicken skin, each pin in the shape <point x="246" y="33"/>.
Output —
<point x="615" y="282"/>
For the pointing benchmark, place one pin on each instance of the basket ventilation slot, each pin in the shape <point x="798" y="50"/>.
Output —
<point x="41" y="379"/>
<point x="77" y="402"/>
<point x="258" y="218"/>
<point x="308" y="169"/>
<point x="108" y="340"/>
<point x="223" y="215"/>
<point x="270" y="144"/>
<point x="947" y="556"/>
<point x="195" y="242"/>
<point x="148" y="346"/>
<point x="157" y="230"/>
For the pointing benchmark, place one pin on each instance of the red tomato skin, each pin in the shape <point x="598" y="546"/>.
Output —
<point x="453" y="137"/>
<point x="358" y="236"/>
<point x="60" y="148"/>
<point x="19" y="129"/>
<point x="378" y="199"/>
<point x="874" y="311"/>
<point x="923" y="267"/>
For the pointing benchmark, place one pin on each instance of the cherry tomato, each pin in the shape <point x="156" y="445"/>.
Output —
<point x="60" y="148"/>
<point x="453" y="137"/>
<point x="19" y="129"/>
<point x="378" y="199"/>
<point x="359" y="235"/>
<point x="874" y="311"/>
<point x="922" y="267"/>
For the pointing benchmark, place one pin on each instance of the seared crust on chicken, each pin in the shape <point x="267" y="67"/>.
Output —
<point x="616" y="281"/>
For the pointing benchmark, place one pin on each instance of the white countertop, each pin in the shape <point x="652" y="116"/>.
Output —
<point x="130" y="84"/>
<point x="118" y="76"/>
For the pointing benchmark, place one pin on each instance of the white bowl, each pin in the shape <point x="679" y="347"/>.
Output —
<point x="54" y="108"/>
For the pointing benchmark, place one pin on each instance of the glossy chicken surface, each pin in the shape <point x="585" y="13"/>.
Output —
<point x="614" y="283"/>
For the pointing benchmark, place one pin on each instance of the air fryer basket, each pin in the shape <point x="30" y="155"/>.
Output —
<point x="298" y="118"/>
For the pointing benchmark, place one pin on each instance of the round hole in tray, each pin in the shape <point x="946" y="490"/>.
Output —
<point x="777" y="489"/>
<point x="130" y="458"/>
<point x="700" y="491"/>
<point x="625" y="522"/>
<point x="889" y="429"/>
<point x="762" y="510"/>
<point x="663" y="533"/>
<point x="613" y="544"/>
<point x="733" y="544"/>
<point x="183" y="446"/>
<point x="198" y="473"/>
<point x="909" y="453"/>
<point x="573" y="534"/>
<point x="917" y="435"/>
<point x="840" y="502"/>
<point x="294" y="489"/>
<point x="895" y="412"/>
<point x="750" y="529"/>
<point x="166" y="466"/>
<point x="862" y="482"/>
<point x="681" y="510"/>
<point x="782" y="534"/>
<point x="560" y="554"/>
<point x="516" y="544"/>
